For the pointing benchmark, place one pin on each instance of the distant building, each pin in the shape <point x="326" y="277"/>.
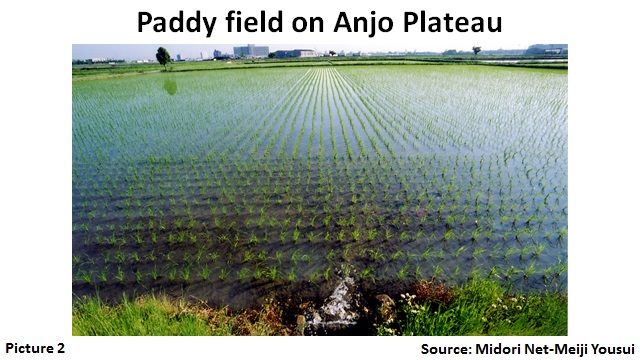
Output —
<point x="204" y="55"/>
<point x="179" y="57"/>
<point x="217" y="54"/>
<point x="297" y="53"/>
<point x="539" y="49"/>
<point x="251" y="51"/>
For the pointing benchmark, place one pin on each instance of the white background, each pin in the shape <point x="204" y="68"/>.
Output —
<point x="35" y="235"/>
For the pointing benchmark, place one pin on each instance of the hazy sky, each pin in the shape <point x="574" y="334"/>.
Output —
<point x="148" y="51"/>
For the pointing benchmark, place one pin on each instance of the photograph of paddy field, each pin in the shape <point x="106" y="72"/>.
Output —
<point x="404" y="199"/>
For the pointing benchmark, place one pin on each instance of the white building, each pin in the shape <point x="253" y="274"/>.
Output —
<point x="251" y="51"/>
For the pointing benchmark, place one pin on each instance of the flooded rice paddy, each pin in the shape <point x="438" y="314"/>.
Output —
<point x="229" y="185"/>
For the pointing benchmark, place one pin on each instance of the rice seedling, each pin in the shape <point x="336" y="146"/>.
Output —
<point x="223" y="274"/>
<point x="272" y="273"/>
<point x="134" y="258"/>
<point x="153" y="274"/>
<point x="531" y="270"/>
<point x="291" y="275"/>
<point x="120" y="275"/>
<point x="258" y="273"/>
<point x="402" y="273"/>
<point x="371" y="234"/>
<point x="562" y="234"/>
<point x="186" y="274"/>
<point x="139" y="277"/>
<point x="367" y="274"/>
<point x="376" y="255"/>
<point x="120" y="257"/>
<point x="509" y="252"/>
<point x="103" y="275"/>
<point x="242" y="274"/>
<point x="355" y="234"/>
<point x="449" y="235"/>
<point x="417" y="274"/>
<point x="87" y="276"/>
<point x="477" y="252"/>
<point x="511" y="271"/>
<point x="279" y="257"/>
<point x="526" y="250"/>
<point x="296" y="235"/>
<point x="437" y="270"/>
<point x="560" y="268"/>
<point x="327" y="273"/>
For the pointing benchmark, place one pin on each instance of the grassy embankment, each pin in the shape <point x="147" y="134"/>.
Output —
<point x="151" y="315"/>
<point x="479" y="307"/>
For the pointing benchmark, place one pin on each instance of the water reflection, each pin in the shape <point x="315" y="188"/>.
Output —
<point x="170" y="86"/>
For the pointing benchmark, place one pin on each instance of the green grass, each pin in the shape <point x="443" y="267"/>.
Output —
<point x="479" y="308"/>
<point x="151" y="315"/>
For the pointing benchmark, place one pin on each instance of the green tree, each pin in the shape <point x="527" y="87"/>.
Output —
<point x="476" y="50"/>
<point x="163" y="57"/>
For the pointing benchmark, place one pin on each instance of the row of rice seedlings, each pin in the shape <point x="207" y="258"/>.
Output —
<point x="182" y="271"/>
<point x="428" y="207"/>
<point x="461" y="78"/>
<point x="510" y="252"/>
<point x="273" y="222"/>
